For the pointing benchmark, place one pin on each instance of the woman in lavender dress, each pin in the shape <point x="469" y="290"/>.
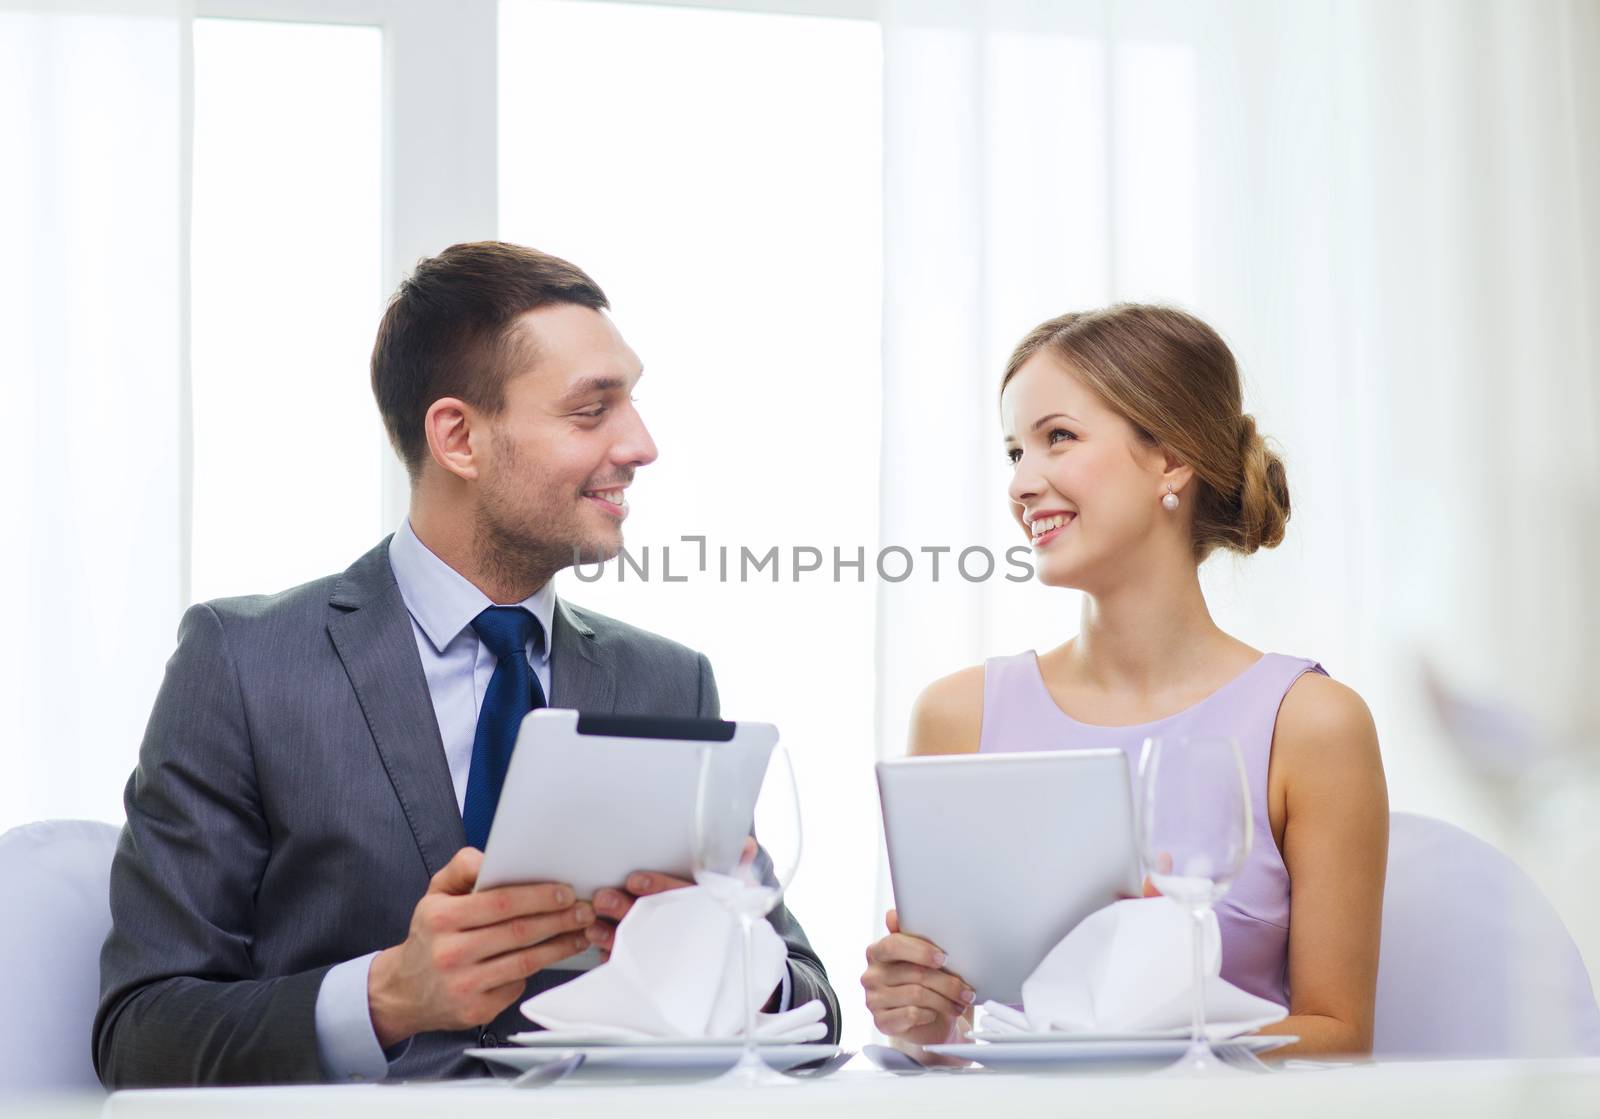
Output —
<point x="1132" y="462"/>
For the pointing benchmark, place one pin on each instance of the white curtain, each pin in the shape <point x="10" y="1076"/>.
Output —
<point x="93" y="343"/>
<point x="1388" y="209"/>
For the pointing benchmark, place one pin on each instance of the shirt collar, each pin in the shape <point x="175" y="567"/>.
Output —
<point x="441" y="599"/>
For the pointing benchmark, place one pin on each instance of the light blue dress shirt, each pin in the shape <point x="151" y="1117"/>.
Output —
<point x="442" y="604"/>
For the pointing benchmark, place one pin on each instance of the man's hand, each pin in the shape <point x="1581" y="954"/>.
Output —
<point x="1163" y="866"/>
<point x="612" y="905"/>
<point x="467" y="956"/>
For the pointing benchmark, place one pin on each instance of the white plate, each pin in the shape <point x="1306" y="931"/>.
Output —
<point x="576" y="1039"/>
<point x="1217" y="1034"/>
<point x="704" y="1059"/>
<point x="1144" y="1050"/>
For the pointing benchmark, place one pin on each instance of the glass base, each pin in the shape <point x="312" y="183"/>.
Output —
<point x="1200" y="1060"/>
<point x="751" y="1072"/>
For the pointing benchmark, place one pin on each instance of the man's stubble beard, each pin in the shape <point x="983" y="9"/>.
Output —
<point x="518" y="541"/>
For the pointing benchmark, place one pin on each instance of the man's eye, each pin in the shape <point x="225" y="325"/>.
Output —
<point x="594" y="413"/>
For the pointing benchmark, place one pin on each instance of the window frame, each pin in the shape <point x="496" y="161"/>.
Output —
<point x="440" y="133"/>
<point x="440" y="122"/>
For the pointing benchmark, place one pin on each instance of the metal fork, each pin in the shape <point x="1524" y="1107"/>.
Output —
<point x="1240" y="1057"/>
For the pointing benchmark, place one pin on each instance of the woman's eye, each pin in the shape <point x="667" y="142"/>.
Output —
<point x="1013" y="455"/>
<point x="1061" y="431"/>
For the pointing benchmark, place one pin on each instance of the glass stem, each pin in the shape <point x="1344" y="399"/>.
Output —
<point x="747" y="927"/>
<point x="1197" y="1024"/>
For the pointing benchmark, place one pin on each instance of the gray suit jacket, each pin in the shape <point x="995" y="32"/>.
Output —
<point x="291" y="801"/>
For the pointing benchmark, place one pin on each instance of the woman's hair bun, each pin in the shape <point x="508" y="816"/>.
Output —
<point x="1263" y="492"/>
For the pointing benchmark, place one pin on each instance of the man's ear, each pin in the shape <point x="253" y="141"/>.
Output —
<point x="450" y="426"/>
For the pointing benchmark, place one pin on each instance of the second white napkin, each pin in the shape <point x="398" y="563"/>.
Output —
<point x="1129" y="968"/>
<point x="675" y="972"/>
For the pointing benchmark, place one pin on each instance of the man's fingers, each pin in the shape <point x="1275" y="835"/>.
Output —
<point x="523" y="932"/>
<point x="487" y="1006"/>
<point x="892" y="920"/>
<point x="612" y="904"/>
<point x="507" y="993"/>
<point x="459" y="875"/>
<point x="911" y="949"/>
<point x="503" y="903"/>
<point x="602" y="934"/>
<point x="513" y="967"/>
<point x="646" y="882"/>
<point x="881" y="999"/>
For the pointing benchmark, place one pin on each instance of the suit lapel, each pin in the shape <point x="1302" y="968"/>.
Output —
<point x="372" y="634"/>
<point x="579" y="677"/>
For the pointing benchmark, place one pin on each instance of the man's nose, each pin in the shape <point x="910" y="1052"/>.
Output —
<point x="635" y="447"/>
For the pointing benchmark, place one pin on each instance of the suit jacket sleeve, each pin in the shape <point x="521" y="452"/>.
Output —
<point x="808" y="979"/>
<point x="179" y="1000"/>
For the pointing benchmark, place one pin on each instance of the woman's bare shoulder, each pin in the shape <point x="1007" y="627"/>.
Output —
<point x="1325" y="731"/>
<point x="1319" y="706"/>
<point x="948" y="715"/>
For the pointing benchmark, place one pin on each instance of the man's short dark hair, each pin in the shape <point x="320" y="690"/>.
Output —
<point x="447" y="332"/>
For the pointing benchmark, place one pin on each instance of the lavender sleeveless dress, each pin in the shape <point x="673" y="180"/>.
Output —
<point x="1019" y="714"/>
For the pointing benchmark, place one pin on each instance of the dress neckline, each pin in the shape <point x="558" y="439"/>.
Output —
<point x="1038" y="675"/>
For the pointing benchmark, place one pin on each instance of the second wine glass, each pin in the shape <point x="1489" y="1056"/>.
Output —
<point x="1195" y="832"/>
<point x="747" y="879"/>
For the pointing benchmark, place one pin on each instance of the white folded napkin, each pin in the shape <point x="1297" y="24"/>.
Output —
<point x="675" y="972"/>
<point x="1129" y="968"/>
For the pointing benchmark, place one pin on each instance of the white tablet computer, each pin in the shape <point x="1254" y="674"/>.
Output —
<point x="995" y="857"/>
<point x="589" y="799"/>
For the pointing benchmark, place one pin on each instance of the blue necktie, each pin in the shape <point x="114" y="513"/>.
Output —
<point x="513" y="691"/>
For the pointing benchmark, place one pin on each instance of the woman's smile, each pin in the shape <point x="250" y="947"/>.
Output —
<point x="1045" y="527"/>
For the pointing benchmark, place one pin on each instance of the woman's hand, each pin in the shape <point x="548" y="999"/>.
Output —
<point x="911" y="996"/>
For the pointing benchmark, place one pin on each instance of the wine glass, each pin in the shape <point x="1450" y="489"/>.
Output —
<point x="1195" y="831"/>
<point x="745" y="879"/>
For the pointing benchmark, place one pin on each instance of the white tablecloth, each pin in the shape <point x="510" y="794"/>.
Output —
<point x="1442" y="1090"/>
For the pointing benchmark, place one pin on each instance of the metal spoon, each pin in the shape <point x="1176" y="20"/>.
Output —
<point x="542" y="1076"/>
<point x="892" y="1060"/>
<point x="827" y="1068"/>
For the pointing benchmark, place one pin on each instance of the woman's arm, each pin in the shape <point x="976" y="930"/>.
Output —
<point x="1328" y="777"/>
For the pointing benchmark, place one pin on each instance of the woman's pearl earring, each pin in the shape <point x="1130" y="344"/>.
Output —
<point x="1170" y="501"/>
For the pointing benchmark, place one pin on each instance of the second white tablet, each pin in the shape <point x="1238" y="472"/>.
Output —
<point x="995" y="857"/>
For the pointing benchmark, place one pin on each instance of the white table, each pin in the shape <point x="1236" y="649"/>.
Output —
<point x="1441" y="1090"/>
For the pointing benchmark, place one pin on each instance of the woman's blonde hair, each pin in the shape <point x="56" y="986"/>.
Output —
<point x="1171" y="377"/>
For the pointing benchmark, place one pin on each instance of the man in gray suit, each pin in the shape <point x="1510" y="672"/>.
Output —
<point x="292" y="895"/>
